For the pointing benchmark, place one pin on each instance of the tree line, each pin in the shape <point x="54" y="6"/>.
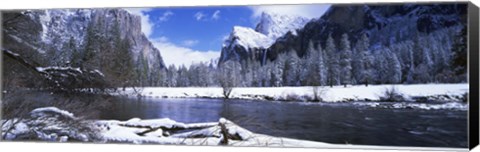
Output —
<point x="437" y="57"/>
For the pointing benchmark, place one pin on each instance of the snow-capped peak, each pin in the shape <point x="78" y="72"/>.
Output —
<point x="270" y="27"/>
<point x="244" y="40"/>
<point x="276" y="25"/>
<point x="248" y="38"/>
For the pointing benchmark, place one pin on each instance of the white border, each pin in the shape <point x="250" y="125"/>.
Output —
<point x="80" y="147"/>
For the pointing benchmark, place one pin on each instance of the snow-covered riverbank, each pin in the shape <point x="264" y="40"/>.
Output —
<point x="56" y="125"/>
<point x="438" y="92"/>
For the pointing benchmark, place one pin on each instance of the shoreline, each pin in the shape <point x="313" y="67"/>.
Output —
<point x="421" y="93"/>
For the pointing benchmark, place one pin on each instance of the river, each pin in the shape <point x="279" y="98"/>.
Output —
<point x="339" y="123"/>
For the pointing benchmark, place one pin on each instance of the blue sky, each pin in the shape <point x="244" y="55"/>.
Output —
<point x="201" y="28"/>
<point x="186" y="35"/>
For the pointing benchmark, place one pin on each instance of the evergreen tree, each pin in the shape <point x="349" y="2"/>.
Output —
<point x="123" y="64"/>
<point x="290" y="73"/>
<point x="394" y="69"/>
<point x="75" y="59"/>
<point x="332" y="62"/>
<point x="345" y="61"/>
<point x="362" y="62"/>
<point x="172" y="76"/>
<point x="459" y="49"/>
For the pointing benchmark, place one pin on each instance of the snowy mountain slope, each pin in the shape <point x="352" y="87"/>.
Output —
<point x="275" y="25"/>
<point x="247" y="38"/>
<point x="245" y="42"/>
<point x="384" y="24"/>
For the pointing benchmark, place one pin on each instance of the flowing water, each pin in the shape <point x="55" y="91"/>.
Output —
<point x="325" y="122"/>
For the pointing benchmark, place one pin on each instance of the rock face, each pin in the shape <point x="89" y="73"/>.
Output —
<point x="42" y="32"/>
<point x="384" y="25"/>
<point x="245" y="42"/>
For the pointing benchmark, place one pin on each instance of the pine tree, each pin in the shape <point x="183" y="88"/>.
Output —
<point x="320" y="65"/>
<point x="172" y="76"/>
<point x="332" y="62"/>
<point x="362" y="62"/>
<point x="345" y="61"/>
<point x="459" y="49"/>
<point x="123" y="64"/>
<point x="290" y="73"/>
<point x="75" y="59"/>
<point x="394" y="69"/>
<point x="315" y="66"/>
<point x="277" y="70"/>
<point x="310" y="72"/>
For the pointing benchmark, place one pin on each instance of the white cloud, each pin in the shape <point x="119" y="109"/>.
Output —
<point x="165" y="16"/>
<point x="147" y="24"/>
<point x="199" y="16"/>
<point x="308" y="11"/>
<point x="161" y="39"/>
<point x="190" y="43"/>
<point x="216" y="15"/>
<point x="178" y="55"/>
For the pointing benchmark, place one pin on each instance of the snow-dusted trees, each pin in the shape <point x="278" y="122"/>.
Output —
<point x="459" y="50"/>
<point x="182" y="78"/>
<point x="76" y="57"/>
<point x="315" y="70"/>
<point x="394" y="69"/>
<point x="426" y="58"/>
<point x="345" y="61"/>
<point x="362" y="62"/>
<point x="228" y="76"/>
<point x="291" y="69"/>
<point x="277" y="71"/>
<point x="172" y="76"/>
<point x="332" y="62"/>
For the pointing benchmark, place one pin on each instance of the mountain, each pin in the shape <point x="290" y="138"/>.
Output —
<point x="52" y="37"/>
<point x="244" y="42"/>
<point x="384" y="24"/>
<point x="274" y="25"/>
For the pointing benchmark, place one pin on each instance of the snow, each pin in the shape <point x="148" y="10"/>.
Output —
<point x="210" y="134"/>
<point x="275" y="25"/>
<point x="424" y="106"/>
<point x="270" y="27"/>
<point x="63" y="24"/>
<point x="155" y="123"/>
<point x="222" y="120"/>
<point x="39" y="112"/>
<point x="98" y="72"/>
<point x="207" y="136"/>
<point x="334" y="94"/>
<point x="43" y="69"/>
<point x="63" y="139"/>
<point x="247" y="38"/>
<point x="19" y="128"/>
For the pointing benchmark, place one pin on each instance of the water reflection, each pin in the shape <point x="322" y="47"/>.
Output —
<point x="332" y="123"/>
